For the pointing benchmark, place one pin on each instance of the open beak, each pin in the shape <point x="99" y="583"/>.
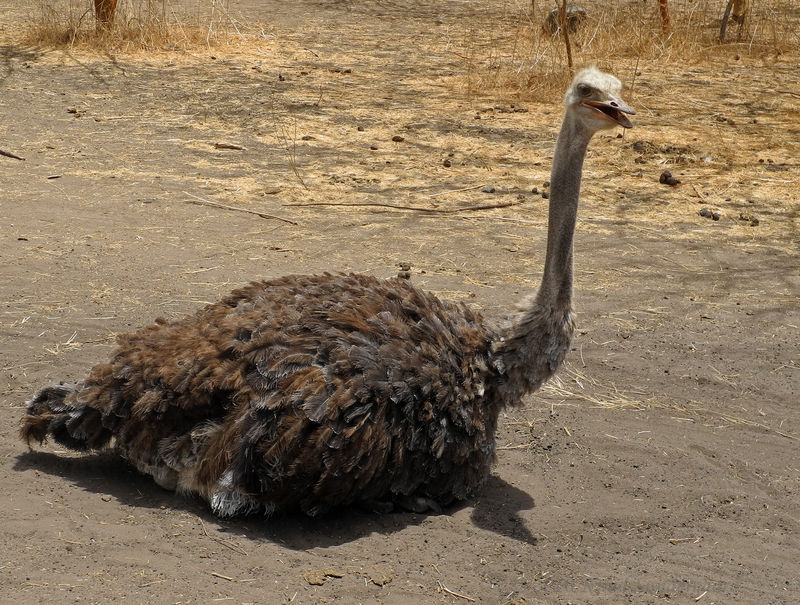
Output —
<point x="614" y="109"/>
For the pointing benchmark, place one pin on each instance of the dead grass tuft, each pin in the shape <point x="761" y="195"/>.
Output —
<point x="574" y="384"/>
<point x="523" y="60"/>
<point x="139" y="25"/>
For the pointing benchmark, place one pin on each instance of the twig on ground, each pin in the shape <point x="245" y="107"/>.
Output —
<point x="8" y="154"/>
<point x="521" y="446"/>
<point x="456" y="190"/>
<point x="233" y="146"/>
<point x="225" y="543"/>
<point x="202" y="201"/>
<point x="486" y="58"/>
<point x="699" y="193"/>
<point x="414" y="208"/>
<point x="455" y="594"/>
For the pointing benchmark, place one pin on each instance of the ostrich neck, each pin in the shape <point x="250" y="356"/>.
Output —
<point x="534" y="347"/>
<point x="565" y="185"/>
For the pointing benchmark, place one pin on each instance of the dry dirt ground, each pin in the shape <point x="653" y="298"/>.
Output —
<point x="663" y="464"/>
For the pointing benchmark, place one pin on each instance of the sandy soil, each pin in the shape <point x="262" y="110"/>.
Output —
<point x="662" y="466"/>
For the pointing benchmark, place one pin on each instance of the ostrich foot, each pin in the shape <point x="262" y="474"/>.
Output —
<point x="410" y="504"/>
<point x="419" y="504"/>
<point x="382" y="507"/>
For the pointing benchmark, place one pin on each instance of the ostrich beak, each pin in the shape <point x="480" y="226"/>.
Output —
<point x="613" y="109"/>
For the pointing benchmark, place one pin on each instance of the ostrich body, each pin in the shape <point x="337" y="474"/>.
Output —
<point x="320" y="391"/>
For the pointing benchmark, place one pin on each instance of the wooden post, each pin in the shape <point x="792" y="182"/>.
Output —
<point x="564" y="28"/>
<point x="104" y="13"/>
<point x="666" y="26"/>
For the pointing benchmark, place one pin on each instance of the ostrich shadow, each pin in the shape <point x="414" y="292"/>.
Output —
<point x="496" y="508"/>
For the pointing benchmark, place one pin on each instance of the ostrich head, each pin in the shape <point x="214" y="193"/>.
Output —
<point x="593" y="98"/>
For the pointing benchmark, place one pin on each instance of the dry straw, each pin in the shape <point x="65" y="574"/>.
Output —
<point x="139" y="25"/>
<point x="524" y="58"/>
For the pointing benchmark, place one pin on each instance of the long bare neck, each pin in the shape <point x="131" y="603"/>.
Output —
<point x="565" y="188"/>
<point x="535" y="346"/>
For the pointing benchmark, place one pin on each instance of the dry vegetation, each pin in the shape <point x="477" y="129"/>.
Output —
<point x="521" y="58"/>
<point x="140" y="25"/>
<point x="515" y="55"/>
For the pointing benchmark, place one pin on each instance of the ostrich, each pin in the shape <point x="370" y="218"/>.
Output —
<point x="312" y="392"/>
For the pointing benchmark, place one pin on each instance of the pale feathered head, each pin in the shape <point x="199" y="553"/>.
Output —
<point x="594" y="97"/>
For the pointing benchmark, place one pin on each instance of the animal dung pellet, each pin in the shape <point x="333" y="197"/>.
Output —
<point x="666" y="178"/>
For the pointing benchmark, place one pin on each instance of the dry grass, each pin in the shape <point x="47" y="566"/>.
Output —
<point x="523" y="60"/>
<point x="140" y="25"/>
<point x="576" y="386"/>
<point x="506" y="51"/>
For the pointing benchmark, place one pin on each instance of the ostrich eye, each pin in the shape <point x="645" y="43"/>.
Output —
<point x="584" y="90"/>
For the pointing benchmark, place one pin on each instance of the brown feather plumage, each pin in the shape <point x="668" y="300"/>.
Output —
<point x="302" y="391"/>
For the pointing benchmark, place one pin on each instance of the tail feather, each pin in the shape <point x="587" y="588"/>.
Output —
<point x="53" y="413"/>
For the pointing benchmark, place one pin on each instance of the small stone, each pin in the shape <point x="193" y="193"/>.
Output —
<point x="546" y="184"/>
<point x="373" y="147"/>
<point x="715" y="216"/>
<point x="360" y="129"/>
<point x="398" y="139"/>
<point x="447" y="164"/>
<point x="545" y="195"/>
<point x="705" y="212"/>
<point x="535" y="190"/>
<point x="488" y="189"/>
